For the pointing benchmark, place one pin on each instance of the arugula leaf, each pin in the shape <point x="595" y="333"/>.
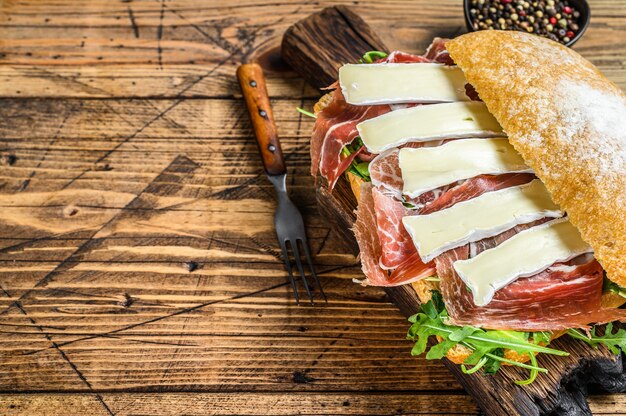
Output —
<point x="461" y="334"/>
<point x="305" y="112"/>
<point x="533" y="373"/>
<point x="613" y="287"/>
<point x="358" y="168"/>
<point x="615" y="342"/>
<point x="437" y="300"/>
<point x="477" y="367"/>
<point x="487" y="346"/>
<point x="371" y="56"/>
<point x="363" y="169"/>
<point x="542" y="337"/>
<point x="492" y="366"/>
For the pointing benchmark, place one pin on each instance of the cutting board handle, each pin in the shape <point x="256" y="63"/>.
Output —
<point x="252" y="82"/>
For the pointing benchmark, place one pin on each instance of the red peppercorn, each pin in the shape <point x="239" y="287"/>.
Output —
<point x="522" y="13"/>
<point x="505" y="1"/>
<point x="553" y="20"/>
<point x="567" y="9"/>
<point x="569" y="34"/>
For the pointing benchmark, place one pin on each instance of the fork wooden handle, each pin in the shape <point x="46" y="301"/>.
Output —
<point x="252" y="84"/>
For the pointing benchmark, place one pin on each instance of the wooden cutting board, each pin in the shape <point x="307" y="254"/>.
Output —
<point x="315" y="48"/>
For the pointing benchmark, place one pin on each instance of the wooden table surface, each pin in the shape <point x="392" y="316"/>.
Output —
<point x="126" y="159"/>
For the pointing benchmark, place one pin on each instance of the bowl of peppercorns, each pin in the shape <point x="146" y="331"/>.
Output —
<point x="561" y="21"/>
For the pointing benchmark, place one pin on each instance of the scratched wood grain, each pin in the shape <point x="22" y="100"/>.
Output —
<point x="283" y="404"/>
<point x="137" y="255"/>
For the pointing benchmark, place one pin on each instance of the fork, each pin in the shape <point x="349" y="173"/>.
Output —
<point x="287" y="220"/>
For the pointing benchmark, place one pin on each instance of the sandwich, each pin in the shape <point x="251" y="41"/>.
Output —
<point x="490" y="175"/>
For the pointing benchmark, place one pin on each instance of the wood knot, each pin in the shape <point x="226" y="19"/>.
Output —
<point x="128" y="301"/>
<point x="102" y="168"/>
<point x="8" y="160"/>
<point x="301" y="377"/>
<point x="190" y="266"/>
<point x="70" y="211"/>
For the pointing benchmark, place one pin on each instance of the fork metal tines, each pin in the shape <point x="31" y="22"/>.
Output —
<point x="296" y="254"/>
<point x="290" y="232"/>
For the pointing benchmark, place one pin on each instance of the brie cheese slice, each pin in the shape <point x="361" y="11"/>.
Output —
<point x="484" y="216"/>
<point x="525" y="254"/>
<point x="392" y="83"/>
<point x="428" y="168"/>
<point x="427" y="122"/>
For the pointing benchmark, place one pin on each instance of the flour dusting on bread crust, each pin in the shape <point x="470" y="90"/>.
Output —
<point x="567" y="121"/>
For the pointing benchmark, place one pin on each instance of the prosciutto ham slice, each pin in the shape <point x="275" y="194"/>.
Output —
<point x="475" y="187"/>
<point x="395" y="241"/>
<point x="383" y="242"/>
<point x="386" y="174"/>
<point x="335" y="127"/>
<point x="566" y="295"/>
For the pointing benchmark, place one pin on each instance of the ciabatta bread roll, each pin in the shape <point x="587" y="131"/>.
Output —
<point x="567" y="121"/>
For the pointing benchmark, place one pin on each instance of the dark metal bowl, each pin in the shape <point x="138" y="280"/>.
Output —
<point x="581" y="5"/>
